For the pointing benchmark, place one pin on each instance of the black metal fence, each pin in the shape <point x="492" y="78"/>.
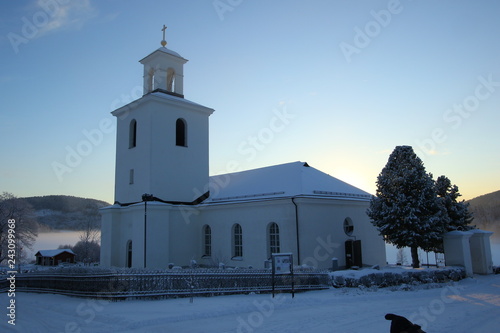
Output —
<point x="124" y="284"/>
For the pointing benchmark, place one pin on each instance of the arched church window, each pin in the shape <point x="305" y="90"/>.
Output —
<point x="181" y="133"/>
<point x="207" y="241"/>
<point x="129" y="253"/>
<point x="348" y="226"/>
<point x="170" y="80"/>
<point x="237" y="241"/>
<point x="132" y="137"/>
<point x="273" y="239"/>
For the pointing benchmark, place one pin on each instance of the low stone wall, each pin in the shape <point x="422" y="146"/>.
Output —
<point x="387" y="278"/>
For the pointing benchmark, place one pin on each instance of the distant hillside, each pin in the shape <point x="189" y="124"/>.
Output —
<point x="486" y="209"/>
<point x="64" y="212"/>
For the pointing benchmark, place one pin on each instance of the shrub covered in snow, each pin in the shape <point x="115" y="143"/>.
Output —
<point x="394" y="277"/>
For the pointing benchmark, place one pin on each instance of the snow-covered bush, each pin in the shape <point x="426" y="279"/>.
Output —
<point x="384" y="279"/>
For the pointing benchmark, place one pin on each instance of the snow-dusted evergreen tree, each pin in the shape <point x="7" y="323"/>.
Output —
<point x="457" y="212"/>
<point x="405" y="210"/>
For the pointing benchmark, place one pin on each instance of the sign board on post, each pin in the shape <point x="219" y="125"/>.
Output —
<point x="282" y="265"/>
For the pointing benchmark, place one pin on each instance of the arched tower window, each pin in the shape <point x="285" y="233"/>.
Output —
<point x="181" y="133"/>
<point x="273" y="239"/>
<point x="129" y="253"/>
<point x="237" y="241"/>
<point x="170" y="80"/>
<point x="132" y="138"/>
<point x="151" y="80"/>
<point x="207" y="241"/>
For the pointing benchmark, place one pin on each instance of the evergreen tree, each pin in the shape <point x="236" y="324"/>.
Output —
<point x="405" y="210"/>
<point x="458" y="216"/>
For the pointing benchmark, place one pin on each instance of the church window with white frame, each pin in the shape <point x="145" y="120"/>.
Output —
<point x="273" y="236"/>
<point x="207" y="241"/>
<point x="237" y="241"/>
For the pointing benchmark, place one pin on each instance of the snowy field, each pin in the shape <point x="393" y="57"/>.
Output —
<point x="470" y="305"/>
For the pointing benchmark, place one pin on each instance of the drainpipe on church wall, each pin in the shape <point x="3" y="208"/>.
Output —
<point x="297" y="230"/>
<point x="146" y="197"/>
<point x="145" y="228"/>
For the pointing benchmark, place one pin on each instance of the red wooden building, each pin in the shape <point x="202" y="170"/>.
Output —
<point x="54" y="257"/>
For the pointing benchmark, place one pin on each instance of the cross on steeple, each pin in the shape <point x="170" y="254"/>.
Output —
<point x="164" y="42"/>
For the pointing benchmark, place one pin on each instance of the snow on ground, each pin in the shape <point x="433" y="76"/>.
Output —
<point x="470" y="305"/>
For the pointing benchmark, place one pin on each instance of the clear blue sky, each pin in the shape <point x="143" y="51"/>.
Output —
<point x="337" y="84"/>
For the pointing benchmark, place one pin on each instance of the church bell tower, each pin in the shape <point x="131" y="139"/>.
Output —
<point x="162" y="138"/>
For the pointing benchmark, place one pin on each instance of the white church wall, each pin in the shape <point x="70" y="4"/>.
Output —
<point x="109" y="236"/>
<point x="181" y="173"/>
<point x="113" y="250"/>
<point x="183" y="237"/>
<point x="136" y="158"/>
<point x="169" y="238"/>
<point x="322" y="235"/>
<point x="373" y="244"/>
<point x="161" y="168"/>
<point x="254" y="218"/>
<point x="158" y="224"/>
<point x="123" y="224"/>
<point x="175" y="233"/>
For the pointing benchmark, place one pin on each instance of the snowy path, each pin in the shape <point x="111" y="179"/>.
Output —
<point x="472" y="305"/>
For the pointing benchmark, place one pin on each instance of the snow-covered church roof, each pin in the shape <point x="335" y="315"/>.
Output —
<point x="284" y="180"/>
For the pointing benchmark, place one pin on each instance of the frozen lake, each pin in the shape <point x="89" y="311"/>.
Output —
<point x="52" y="240"/>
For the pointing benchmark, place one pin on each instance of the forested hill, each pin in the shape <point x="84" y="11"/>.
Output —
<point x="64" y="212"/>
<point x="486" y="209"/>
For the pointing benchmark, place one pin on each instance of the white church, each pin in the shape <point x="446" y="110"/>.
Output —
<point x="169" y="211"/>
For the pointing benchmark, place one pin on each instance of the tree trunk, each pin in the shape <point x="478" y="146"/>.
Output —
<point x="414" y="257"/>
